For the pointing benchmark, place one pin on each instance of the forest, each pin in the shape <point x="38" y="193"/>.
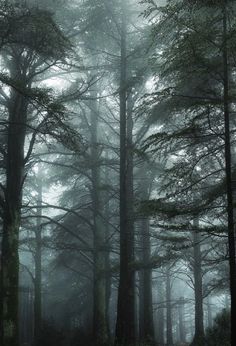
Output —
<point x="117" y="172"/>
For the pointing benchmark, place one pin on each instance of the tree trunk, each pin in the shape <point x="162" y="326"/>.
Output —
<point x="11" y="219"/>
<point x="125" y="325"/>
<point x="38" y="272"/>
<point x="169" y="332"/>
<point x="108" y="279"/>
<point x="209" y="313"/>
<point x="99" y="299"/>
<point x="160" y="312"/>
<point x="145" y="301"/>
<point x="107" y="244"/>
<point x="198" y="339"/>
<point x="182" y="334"/>
<point x="228" y="172"/>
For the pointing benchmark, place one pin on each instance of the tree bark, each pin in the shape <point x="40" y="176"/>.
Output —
<point x="160" y="312"/>
<point x="11" y="219"/>
<point x="108" y="277"/>
<point x="228" y="173"/>
<point x="182" y="333"/>
<point x="169" y="332"/>
<point x="99" y="298"/>
<point x="125" y="325"/>
<point x="209" y="313"/>
<point x="38" y="272"/>
<point x="198" y="339"/>
<point x="146" y="325"/>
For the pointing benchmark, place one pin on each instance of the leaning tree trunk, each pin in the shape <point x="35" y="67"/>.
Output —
<point x="11" y="219"/>
<point x="125" y="325"/>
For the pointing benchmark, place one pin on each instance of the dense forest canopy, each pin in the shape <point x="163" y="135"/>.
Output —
<point x="117" y="172"/>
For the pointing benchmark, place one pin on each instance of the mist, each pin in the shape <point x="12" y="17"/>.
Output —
<point x="117" y="173"/>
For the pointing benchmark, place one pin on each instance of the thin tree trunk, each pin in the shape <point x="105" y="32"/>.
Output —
<point x="107" y="254"/>
<point x="231" y="235"/>
<point x="146" y="314"/>
<point x="160" y="312"/>
<point x="198" y="339"/>
<point x="169" y="332"/>
<point x="38" y="272"/>
<point x="182" y="334"/>
<point x="130" y="218"/>
<point x="99" y="299"/>
<point x="209" y="313"/>
<point x="107" y="278"/>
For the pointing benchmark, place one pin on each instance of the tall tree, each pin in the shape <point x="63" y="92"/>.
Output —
<point x="23" y="60"/>
<point x="210" y="82"/>
<point x="125" y="326"/>
<point x="100" y="301"/>
<point x="228" y="166"/>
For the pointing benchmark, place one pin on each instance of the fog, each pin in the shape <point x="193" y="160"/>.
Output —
<point x="117" y="178"/>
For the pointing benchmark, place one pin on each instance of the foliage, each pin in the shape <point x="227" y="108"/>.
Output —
<point x="179" y="176"/>
<point x="219" y="334"/>
<point x="33" y="28"/>
<point x="186" y="106"/>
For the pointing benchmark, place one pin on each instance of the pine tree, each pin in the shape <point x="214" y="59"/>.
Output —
<point x="194" y="103"/>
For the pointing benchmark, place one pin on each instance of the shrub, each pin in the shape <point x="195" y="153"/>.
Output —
<point x="219" y="334"/>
